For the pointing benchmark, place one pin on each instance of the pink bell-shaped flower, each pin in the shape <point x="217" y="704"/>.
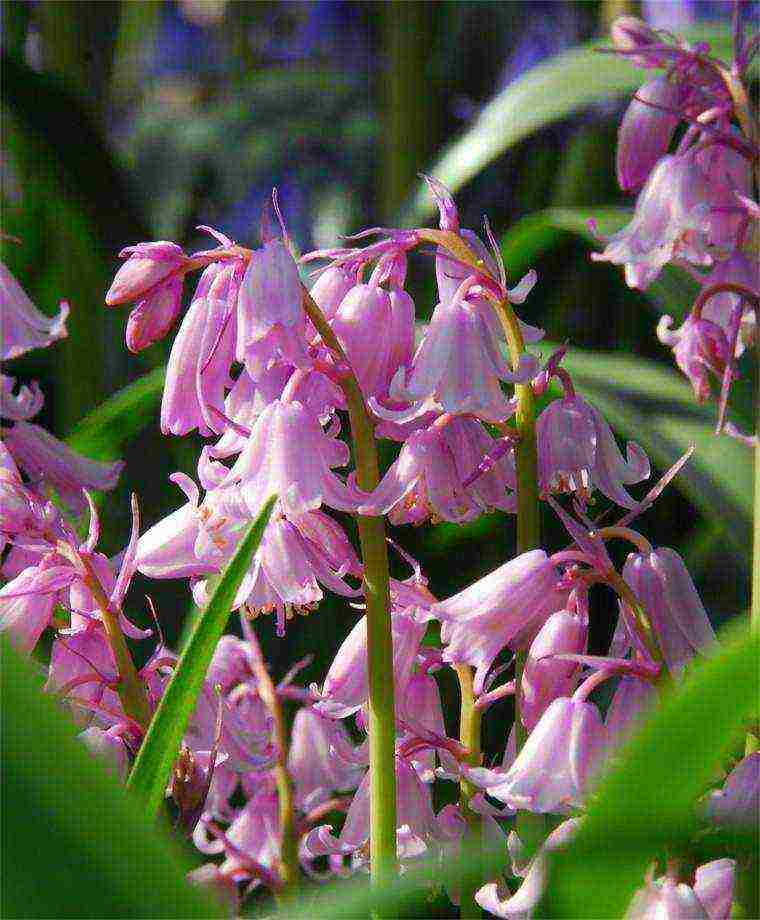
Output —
<point x="554" y="770"/>
<point x="646" y="131"/>
<point x="700" y="348"/>
<point x="24" y="327"/>
<point x="289" y="455"/>
<point x="505" y="608"/>
<point x="662" y="583"/>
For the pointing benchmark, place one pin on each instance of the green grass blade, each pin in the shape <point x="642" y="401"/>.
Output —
<point x="647" y="803"/>
<point x="74" y="844"/>
<point x="159" y="749"/>
<point x="105" y="431"/>
<point x="547" y="93"/>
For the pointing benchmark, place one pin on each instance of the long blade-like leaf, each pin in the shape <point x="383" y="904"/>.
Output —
<point x="551" y="91"/>
<point x="159" y="749"/>
<point x="105" y="431"/>
<point x="648" y="802"/>
<point x="74" y="844"/>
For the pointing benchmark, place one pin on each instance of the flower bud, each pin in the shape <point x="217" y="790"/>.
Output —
<point x="629" y="33"/>
<point x="154" y="316"/>
<point x="148" y="264"/>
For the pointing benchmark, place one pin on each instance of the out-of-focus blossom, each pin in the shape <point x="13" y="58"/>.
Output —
<point x="23" y="327"/>
<point x="738" y="802"/>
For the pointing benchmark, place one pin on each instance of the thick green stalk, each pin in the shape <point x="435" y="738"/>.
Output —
<point x="382" y="719"/>
<point x="753" y="740"/>
<point x="470" y="718"/>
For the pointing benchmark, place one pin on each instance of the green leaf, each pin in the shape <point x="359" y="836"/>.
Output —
<point x="647" y="803"/>
<point x="549" y="92"/>
<point x="74" y="845"/>
<point x="159" y="749"/>
<point x="105" y="431"/>
<point x="655" y="406"/>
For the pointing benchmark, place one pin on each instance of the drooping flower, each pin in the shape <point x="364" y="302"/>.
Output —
<point x="646" y="131"/>
<point x="505" y="608"/>
<point x="671" y="220"/>
<point x="459" y="363"/>
<point x="48" y="461"/>
<point x="545" y="677"/>
<point x="554" y="770"/>
<point x="289" y="455"/>
<point x="314" y="761"/>
<point x="428" y="478"/>
<point x="577" y="452"/>
<point x="27" y="601"/>
<point x="416" y="825"/>
<point x="700" y="348"/>
<point x="20" y="406"/>
<point x="738" y="269"/>
<point x="630" y="705"/>
<point x="662" y="583"/>
<point x="24" y="327"/>
<point x="346" y="686"/>
<point x="709" y="897"/>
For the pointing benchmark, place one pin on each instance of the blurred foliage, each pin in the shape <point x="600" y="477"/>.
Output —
<point x="139" y="120"/>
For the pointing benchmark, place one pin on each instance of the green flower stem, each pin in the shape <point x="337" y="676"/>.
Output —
<point x="289" y="870"/>
<point x="753" y="737"/>
<point x="382" y="721"/>
<point x="470" y="718"/>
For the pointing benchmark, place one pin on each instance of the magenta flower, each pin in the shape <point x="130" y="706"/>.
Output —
<point x="428" y="478"/>
<point x="671" y="220"/>
<point x="577" y="452"/>
<point x="49" y="461"/>
<point x="718" y="309"/>
<point x="376" y="329"/>
<point x="646" y="131"/>
<point x="24" y="327"/>
<point x="346" y="686"/>
<point x="632" y="702"/>
<point x="545" y="677"/>
<point x="709" y="897"/>
<point x="27" y="601"/>
<point x="153" y="317"/>
<point x="662" y="583"/>
<point x="505" y="608"/>
<point x="554" y="770"/>
<point x="198" y="371"/>
<point x="332" y="285"/>
<point x="314" y="761"/>
<point x="459" y="363"/>
<point x="700" y="348"/>
<point x="289" y="455"/>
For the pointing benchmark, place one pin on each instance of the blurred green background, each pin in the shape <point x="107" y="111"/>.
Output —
<point x="140" y="120"/>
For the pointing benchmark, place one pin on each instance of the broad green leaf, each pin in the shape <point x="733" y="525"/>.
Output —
<point x="74" y="844"/>
<point x="159" y="749"/>
<point x="655" y="406"/>
<point x="548" y="92"/>
<point x="105" y="431"/>
<point x="647" y="803"/>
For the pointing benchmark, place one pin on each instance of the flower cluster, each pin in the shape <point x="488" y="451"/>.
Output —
<point x="688" y="146"/>
<point x="269" y="372"/>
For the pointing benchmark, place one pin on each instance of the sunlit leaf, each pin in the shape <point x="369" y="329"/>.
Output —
<point x="108" y="428"/>
<point x="161" y="745"/>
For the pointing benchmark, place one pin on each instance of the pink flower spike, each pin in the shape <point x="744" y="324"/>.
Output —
<point x="147" y="265"/>
<point x="505" y="608"/>
<point x="662" y="583"/>
<point x="24" y="327"/>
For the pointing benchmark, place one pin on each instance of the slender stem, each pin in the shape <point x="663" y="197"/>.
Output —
<point x="130" y="689"/>
<point x="288" y="833"/>
<point x="470" y="718"/>
<point x="382" y="718"/>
